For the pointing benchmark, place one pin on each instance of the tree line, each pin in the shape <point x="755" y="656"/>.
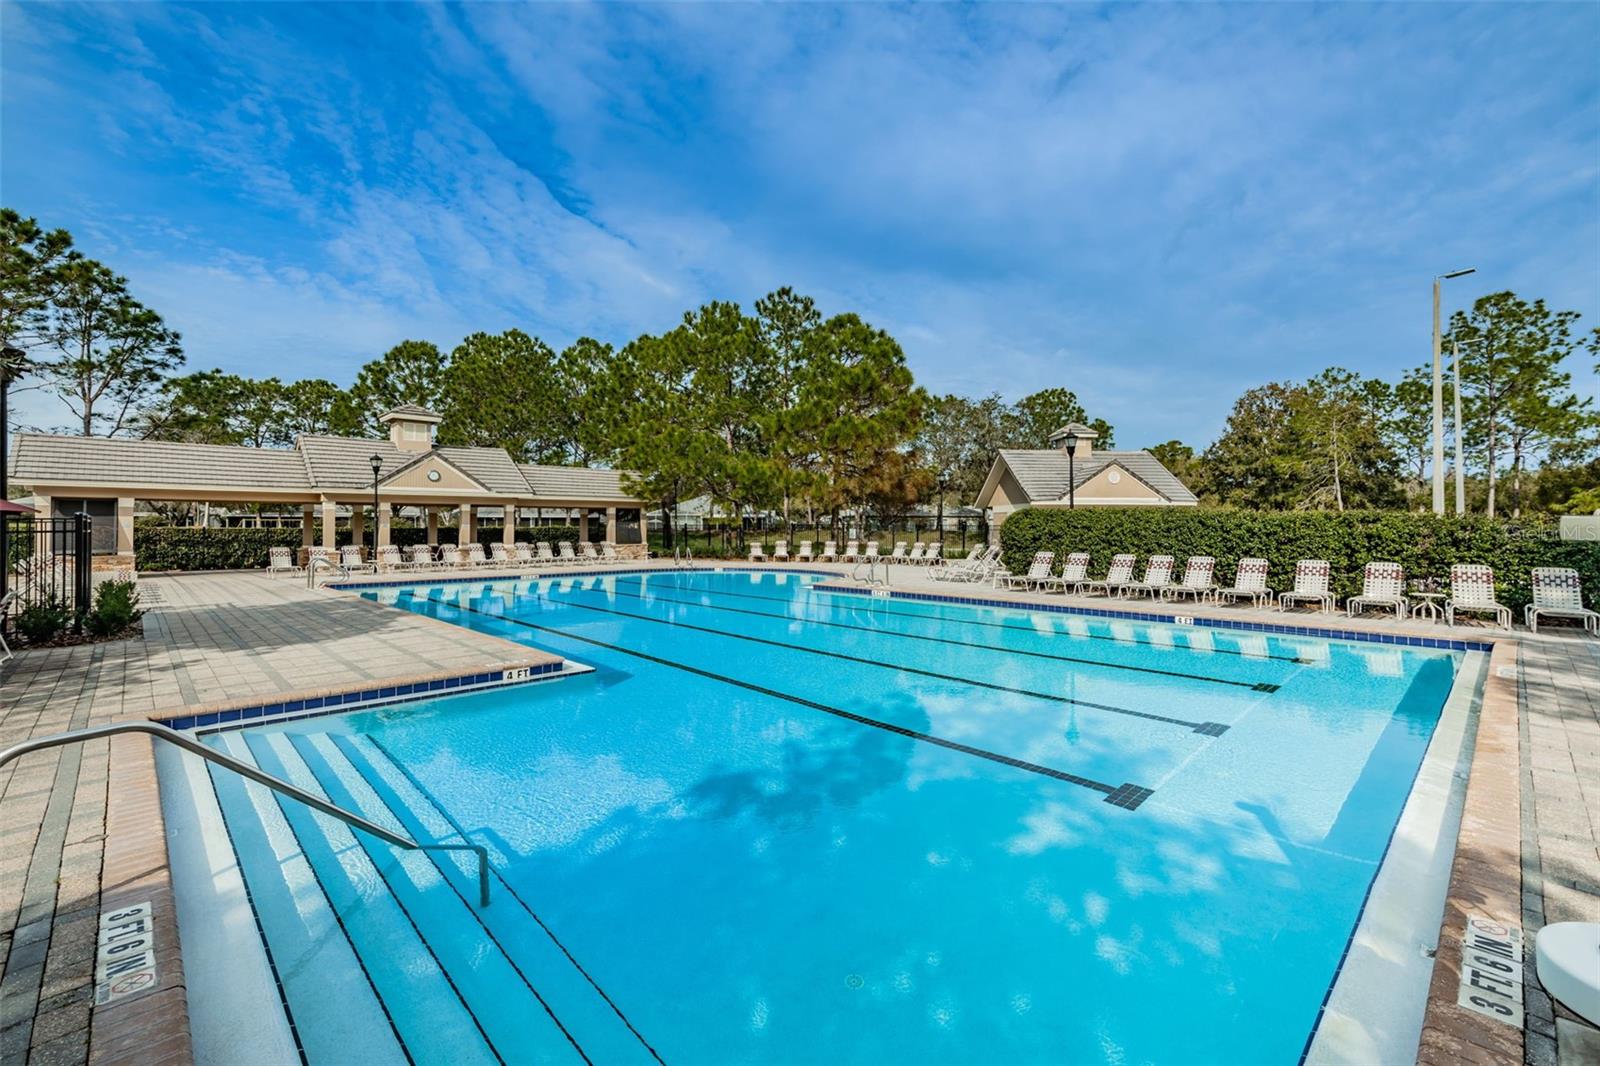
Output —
<point x="786" y="409"/>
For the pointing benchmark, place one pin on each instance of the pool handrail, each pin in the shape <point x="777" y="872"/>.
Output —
<point x="322" y="560"/>
<point x="244" y="769"/>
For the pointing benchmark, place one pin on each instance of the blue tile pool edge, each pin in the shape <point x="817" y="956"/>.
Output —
<point x="369" y="698"/>
<point x="424" y="577"/>
<point x="1403" y="639"/>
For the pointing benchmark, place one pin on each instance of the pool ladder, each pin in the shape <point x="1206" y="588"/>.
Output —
<point x="244" y="769"/>
<point x="323" y="561"/>
<point x="682" y="557"/>
<point x="873" y="563"/>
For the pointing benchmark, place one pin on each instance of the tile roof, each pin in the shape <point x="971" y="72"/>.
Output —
<point x="345" y="462"/>
<point x="575" y="482"/>
<point x="47" y="458"/>
<point x="1042" y="473"/>
<point x="410" y="410"/>
<point x="492" y="466"/>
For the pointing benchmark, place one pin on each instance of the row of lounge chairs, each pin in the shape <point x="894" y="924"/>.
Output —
<point x="1557" y="592"/>
<point x="917" y="554"/>
<point x="446" y="557"/>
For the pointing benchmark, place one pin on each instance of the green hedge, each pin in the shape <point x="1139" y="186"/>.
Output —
<point x="211" y="548"/>
<point x="1425" y="544"/>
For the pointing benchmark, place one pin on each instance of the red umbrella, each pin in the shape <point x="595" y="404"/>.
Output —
<point x="8" y="507"/>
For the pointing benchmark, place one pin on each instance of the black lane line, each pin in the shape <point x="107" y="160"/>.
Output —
<point x="1121" y="792"/>
<point x="956" y="602"/>
<point x="451" y="981"/>
<point x="1199" y="727"/>
<point x="1252" y="685"/>
<point x="373" y="857"/>
<point x="405" y="772"/>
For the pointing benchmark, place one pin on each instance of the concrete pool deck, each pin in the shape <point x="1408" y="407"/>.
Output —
<point x="80" y="826"/>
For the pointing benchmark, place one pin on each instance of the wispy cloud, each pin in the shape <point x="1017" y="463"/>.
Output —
<point x="1154" y="205"/>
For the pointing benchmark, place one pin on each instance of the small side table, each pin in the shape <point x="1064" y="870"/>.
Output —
<point x="1430" y="605"/>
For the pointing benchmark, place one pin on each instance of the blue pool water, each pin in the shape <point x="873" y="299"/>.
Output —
<point x="784" y="825"/>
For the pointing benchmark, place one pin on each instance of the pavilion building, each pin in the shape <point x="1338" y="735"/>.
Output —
<point x="325" y="476"/>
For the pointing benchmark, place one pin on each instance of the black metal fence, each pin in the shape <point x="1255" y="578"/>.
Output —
<point x="48" y="560"/>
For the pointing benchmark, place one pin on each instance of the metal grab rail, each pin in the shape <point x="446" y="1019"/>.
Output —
<point x="243" y="769"/>
<point x="682" y="557"/>
<point x="321" y="560"/>
<point x="871" y="562"/>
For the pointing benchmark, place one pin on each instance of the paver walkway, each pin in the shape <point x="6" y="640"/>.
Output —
<point x="207" y="638"/>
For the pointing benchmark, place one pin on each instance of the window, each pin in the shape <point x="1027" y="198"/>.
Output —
<point x="416" y="431"/>
<point x="628" y="525"/>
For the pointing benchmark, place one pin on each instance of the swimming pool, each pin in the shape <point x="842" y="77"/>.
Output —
<point x="779" y="824"/>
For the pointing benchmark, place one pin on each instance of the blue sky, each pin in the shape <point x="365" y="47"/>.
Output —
<point x="1156" y="206"/>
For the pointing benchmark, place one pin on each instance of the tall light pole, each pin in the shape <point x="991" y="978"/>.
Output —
<point x="1438" y="396"/>
<point x="377" y="465"/>
<point x="1461" y="476"/>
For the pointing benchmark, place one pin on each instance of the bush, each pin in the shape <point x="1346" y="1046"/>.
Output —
<point x="1425" y="544"/>
<point x="116" y="607"/>
<point x="246" y="548"/>
<point x="42" y="622"/>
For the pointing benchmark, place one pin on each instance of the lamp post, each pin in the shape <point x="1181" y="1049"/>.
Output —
<point x="377" y="464"/>
<point x="1071" y="444"/>
<point x="1461" y="475"/>
<point x="1438" y="396"/>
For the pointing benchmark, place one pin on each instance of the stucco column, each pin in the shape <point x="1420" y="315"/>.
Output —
<point x="385" y="517"/>
<point x="330" y="522"/>
<point x="508" y="528"/>
<point x="124" y="525"/>
<point x="308" y="522"/>
<point x="433" y="527"/>
<point x="465" y="534"/>
<point x="358" y="526"/>
<point x="583" y="524"/>
<point x="611" y="525"/>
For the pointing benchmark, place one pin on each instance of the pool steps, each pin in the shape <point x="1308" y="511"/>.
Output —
<point x="420" y="970"/>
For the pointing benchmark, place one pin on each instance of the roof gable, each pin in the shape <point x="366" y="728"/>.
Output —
<point x="431" y="471"/>
<point x="1043" y="474"/>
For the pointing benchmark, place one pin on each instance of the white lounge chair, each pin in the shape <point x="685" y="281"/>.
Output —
<point x="542" y="555"/>
<point x="389" y="558"/>
<point x="522" y="553"/>
<point x="1118" y="574"/>
<point x="1197" y="582"/>
<point x="871" y="551"/>
<point x="1249" y="582"/>
<point x="1157" y="578"/>
<point x="804" y="554"/>
<point x="917" y="554"/>
<point x="7" y="601"/>
<point x="898" y="555"/>
<point x="502" y="555"/>
<point x="756" y="554"/>
<point x="1382" y="585"/>
<point x="450" y="556"/>
<point x="780" y="550"/>
<point x="608" y="551"/>
<point x="565" y="554"/>
<point x="351" y="559"/>
<point x="1038" y="572"/>
<point x="1075" y="571"/>
<point x="932" y="557"/>
<point x="1558" y="593"/>
<point x="422" y="557"/>
<point x="829" y="553"/>
<point x="281" y="561"/>
<point x="943" y="572"/>
<point x="588" y="552"/>
<point x="852" y="551"/>
<point x="972" y="568"/>
<point x="330" y="554"/>
<point x="1311" y="580"/>
<point x="1472" y="589"/>
<point x="476" y="556"/>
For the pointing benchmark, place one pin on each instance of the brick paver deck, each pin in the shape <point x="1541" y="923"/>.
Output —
<point x="216" y="638"/>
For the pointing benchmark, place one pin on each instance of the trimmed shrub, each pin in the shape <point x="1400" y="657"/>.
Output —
<point x="116" y="607"/>
<point x="246" y="548"/>
<point x="1425" y="544"/>
<point x="42" y="622"/>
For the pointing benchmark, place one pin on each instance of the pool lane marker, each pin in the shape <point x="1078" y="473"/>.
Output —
<point x="1254" y="686"/>
<point x="956" y="601"/>
<point x="1210" y="729"/>
<point x="1128" y="796"/>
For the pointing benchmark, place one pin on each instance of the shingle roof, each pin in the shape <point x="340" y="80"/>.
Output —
<point x="345" y="462"/>
<point x="575" y="482"/>
<point x="1043" y="473"/>
<point x="46" y="458"/>
<point x="410" y="410"/>
<point x="492" y="466"/>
